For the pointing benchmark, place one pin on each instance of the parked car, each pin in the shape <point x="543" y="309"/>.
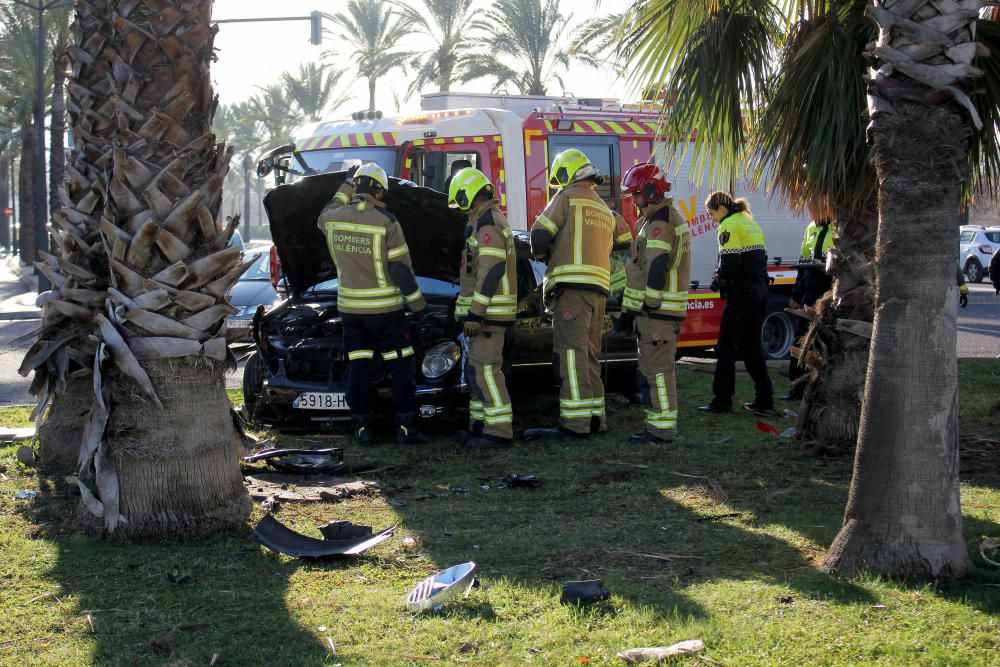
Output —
<point x="296" y="379"/>
<point x="253" y="289"/>
<point x="977" y="246"/>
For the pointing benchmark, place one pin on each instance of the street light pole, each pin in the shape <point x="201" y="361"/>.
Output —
<point x="247" y="166"/>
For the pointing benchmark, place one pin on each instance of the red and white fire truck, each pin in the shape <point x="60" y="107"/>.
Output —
<point x="512" y="139"/>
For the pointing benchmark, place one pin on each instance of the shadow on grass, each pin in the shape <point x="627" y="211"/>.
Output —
<point x="166" y="602"/>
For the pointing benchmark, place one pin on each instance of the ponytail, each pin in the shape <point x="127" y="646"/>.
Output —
<point x="719" y="198"/>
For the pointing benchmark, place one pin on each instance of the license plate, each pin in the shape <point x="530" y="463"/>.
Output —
<point x="321" y="400"/>
<point x="238" y="324"/>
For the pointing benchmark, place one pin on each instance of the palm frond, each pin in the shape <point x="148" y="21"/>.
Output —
<point x="984" y="150"/>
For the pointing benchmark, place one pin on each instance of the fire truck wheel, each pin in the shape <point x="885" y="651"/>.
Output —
<point x="778" y="331"/>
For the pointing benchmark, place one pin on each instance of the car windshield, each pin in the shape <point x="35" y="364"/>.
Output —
<point x="261" y="269"/>
<point x="340" y="159"/>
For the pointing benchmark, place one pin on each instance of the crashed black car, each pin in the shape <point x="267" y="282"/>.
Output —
<point x="297" y="377"/>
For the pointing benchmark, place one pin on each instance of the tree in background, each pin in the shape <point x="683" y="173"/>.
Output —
<point x="806" y="117"/>
<point x="315" y="90"/>
<point x="521" y="45"/>
<point x="444" y="23"/>
<point x="372" y="31"/>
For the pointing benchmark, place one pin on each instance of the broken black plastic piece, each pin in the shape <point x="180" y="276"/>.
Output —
<point x="303" y="461"/>
<point x="280" y="538"/>
<point x="514" y="481"/>
<point x="582" y="592"/>
<point x="344" y="530"/>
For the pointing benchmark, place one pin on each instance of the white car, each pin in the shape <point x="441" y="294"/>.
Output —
<point x="976" y="248"/>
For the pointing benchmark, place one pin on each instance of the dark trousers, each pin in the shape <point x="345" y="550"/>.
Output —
<point x="801" y="327"/>
<point x="387" y="335"/>
<point x="739" y="337"/>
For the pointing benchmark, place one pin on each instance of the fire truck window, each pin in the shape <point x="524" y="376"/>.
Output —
<point x="455" y="162"/>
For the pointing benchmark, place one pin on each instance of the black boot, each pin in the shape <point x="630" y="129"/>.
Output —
<point x="558" y="433"/>
<point x="646" y="438"/>
<point x="486" y="441"/>
<point x="716" y="408"/>
<point x="761" y="408"/>
<point x="361" y="429"/>
<point x="406" y="430"/>
<point x="474" y="431"/>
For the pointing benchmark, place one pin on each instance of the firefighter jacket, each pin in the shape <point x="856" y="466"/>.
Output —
<point x="816" y="242"/>
<point x="659" y="268"/>
<point x="373" y="263"/>
<point x="489" y="279"/>
<point x="575" y="235"/>
<point x="742" y="255"/>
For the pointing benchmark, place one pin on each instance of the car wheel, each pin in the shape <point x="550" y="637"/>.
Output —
<point x="974" y="271"/>
<point x="254" y="373"/>
<point x="778" y="331"/>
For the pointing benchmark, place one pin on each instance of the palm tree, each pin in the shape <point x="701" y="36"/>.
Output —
<point x="596" y="42"/>
<point x="443" y="23"/>
<point x="314" y="91"/>
<point x="808" y="117"/>
<point x="527" y="33"/>
<point x="372" y="30"/>
<point x="159" y="446"/>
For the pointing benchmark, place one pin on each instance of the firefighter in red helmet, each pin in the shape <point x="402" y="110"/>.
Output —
<point x="656" y="294"/>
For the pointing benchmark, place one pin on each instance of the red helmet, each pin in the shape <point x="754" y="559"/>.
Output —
<point x="648" y="180"/>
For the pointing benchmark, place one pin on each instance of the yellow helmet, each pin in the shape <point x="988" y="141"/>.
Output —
<point x="571" y="166"/>
<point x="374" y="172"/>
<point x="465" y="185"/>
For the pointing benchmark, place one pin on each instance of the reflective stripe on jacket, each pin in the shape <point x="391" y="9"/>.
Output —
<point x="373" y="262"/>
<point x="575" y="234"/>
<point x="489" y="278"/>
<point x="659" y="271"/>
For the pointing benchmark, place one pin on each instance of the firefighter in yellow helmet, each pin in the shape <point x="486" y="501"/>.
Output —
<point x="575" y="235"/>
<point x="486" y="305"/>
<point x="375" y="281"/>
<point x="656" y="296"/>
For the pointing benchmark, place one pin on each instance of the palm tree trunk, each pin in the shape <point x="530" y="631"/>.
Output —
<point x="371" y="93"/>
<point x="903" y="515"/>
<point x="4" y="197"/>
<point x="25" y="189"/>
<point x="57" y="125"/>
<point x="167" y="463"/>
<point x="838" y="358"/>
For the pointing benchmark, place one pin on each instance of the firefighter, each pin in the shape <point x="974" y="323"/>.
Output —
<point x="486" y="306"/>
<point x="575" y="235"/>
<point x="656" y="295"/>
<point x="375" y="280"/>
<point x="963" y="289"/>
<point x="995" y="272"/>
<point x="742" y="282"/>
<point x="811" y="282"/>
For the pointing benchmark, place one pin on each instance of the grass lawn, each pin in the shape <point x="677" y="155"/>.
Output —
<point x="718" y="537"/>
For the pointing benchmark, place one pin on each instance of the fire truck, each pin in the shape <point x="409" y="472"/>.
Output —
<point x="513" y="138"/>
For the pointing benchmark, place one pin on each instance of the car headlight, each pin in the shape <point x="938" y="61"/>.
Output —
<point x="440" y="359"/>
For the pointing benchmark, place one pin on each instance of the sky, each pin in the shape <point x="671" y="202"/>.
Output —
<point x="255" y="54"/>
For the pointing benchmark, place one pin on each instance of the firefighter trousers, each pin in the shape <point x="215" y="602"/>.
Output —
<point x="739" y="337"/>
<point x="489" y="401"/>
<point x="577" y="325"/>
<point x="388" y="335"/>
<point x="657" y="381"/>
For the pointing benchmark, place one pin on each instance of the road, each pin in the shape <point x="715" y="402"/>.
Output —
<point x="978" y="336"/>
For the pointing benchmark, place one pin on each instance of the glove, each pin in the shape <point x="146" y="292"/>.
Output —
<point x="350" y="172"/>
<point x="714" y="285"/>
<point x="625" y="323"/>
<point x="418" y="316"/>
<point x="963" y="300"/>
<point x="472" y="328"/>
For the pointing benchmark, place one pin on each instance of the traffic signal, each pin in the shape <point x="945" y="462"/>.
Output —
<point x="316" y="28"/>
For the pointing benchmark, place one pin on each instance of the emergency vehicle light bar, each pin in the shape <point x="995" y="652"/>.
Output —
<point x="425" y="118"/>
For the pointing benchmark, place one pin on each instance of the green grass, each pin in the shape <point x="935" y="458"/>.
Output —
<point x="740" y="526"/>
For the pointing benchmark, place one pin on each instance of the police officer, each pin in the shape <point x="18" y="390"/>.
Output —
<point x="742" y="283"/>
<point x="375" y="280"/>
<point x="486" y="304"/>
<point x="811" y="282"/>
<point x="655" y="300"/>
<point x="575" y="235"/>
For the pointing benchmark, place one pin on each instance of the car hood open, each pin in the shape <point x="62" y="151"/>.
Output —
<point x="434" y="232"/>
